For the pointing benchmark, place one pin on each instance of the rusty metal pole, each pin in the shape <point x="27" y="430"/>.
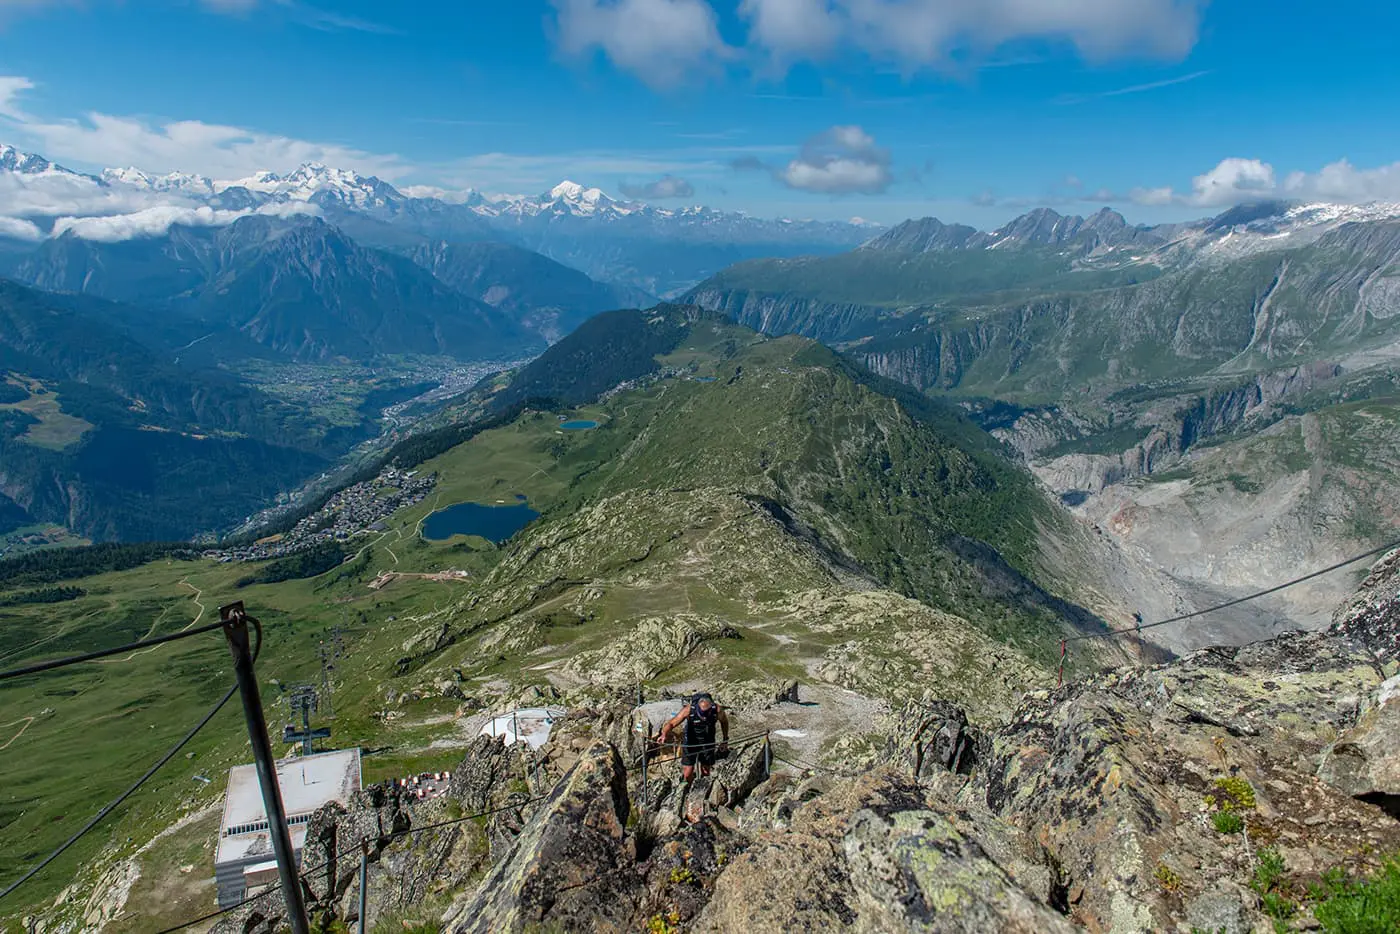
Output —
<point x="235" y="621"/>
<point x="364" y="884"/>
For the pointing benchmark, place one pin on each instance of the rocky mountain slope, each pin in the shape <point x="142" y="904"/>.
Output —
<point x="952" y="319"/>
<point x="1232" y="790"/>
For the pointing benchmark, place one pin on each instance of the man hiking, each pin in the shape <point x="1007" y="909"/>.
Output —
<point x="698" y="740"/>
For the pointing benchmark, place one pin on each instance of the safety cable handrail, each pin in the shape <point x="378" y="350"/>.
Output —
<point x="304" y="872"/>
<point x="103" y="653"/>
<point x="170" y="754"/>
<point x="1237" y="601"/>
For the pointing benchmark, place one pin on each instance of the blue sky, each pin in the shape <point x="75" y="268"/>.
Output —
<point x="971" y="110"/>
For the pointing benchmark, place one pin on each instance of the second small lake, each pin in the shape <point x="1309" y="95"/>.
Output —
<point x="578" y="425"/>
<point x="494" y="523"/>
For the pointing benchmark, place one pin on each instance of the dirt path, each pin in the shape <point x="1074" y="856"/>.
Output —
<point x="25" y="720"/>
<point x="190" y="625"/>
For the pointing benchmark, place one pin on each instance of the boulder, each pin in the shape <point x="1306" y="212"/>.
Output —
<point x="569" y="869"/>
<point x="941" y="739"/>
<point x="489" y="771"/>
<point x="1365" y="760"/>
<point x="913" y="871"/>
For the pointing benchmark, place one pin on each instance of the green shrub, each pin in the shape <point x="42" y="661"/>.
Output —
<point x="1227" y="822"/>
<point x="1369" y="906"/>
<point x="1268" y="871"/>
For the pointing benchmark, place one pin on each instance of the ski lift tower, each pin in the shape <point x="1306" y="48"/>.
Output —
<point x="302" y="698"/>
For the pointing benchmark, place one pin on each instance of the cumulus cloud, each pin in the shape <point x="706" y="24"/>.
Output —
<point x="1231" y="182"/>
<point x="1240" y="181"/>
<point x="841" y="160"/>
<point x="922" y="33"/>
<point x="791" y="29"/>
<point x="157" y="221"/>
<point x="668" y="186"/>
<point x="663" y="42"/>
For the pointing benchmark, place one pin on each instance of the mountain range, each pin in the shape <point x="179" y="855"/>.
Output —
<point x="658" y="250"/>
<point x="1048" y="303"/>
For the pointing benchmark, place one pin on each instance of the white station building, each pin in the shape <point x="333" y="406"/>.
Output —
<point x="528" y="725"/>
<point x="245" y="860"/>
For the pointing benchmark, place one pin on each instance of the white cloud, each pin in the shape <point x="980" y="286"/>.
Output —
<point x="841" y="160"/>
<point x="1149" y="196"/>
<point x="156" y="221"/>
<point x="52" y="194"/>
<point x="20" y="229"/>
<point x="923" y="33"/>
<point x="193" y="146"/>
<point x="663" y="42"/>
<point x="182" y="145"/>
<point x="1342" y="181"/>
<point x="792" y="29"/>
<point x="10" y="88"/>
<point x="668" y="186"/>
<point x="1232" y="181"/>
<point x="1238" y="181"/>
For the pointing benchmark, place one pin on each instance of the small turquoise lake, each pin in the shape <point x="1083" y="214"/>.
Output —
<point x="494" y="523"/>
<point x="578" y="425"/>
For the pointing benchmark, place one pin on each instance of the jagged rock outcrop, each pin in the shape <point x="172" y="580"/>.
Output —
<point x="1120" y="776"/>
<point x="570" y="866"/>
<point x="874" y="854"/>
<point x="1372" y="615"/>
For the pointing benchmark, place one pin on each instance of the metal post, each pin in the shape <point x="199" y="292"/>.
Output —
<point x="364" y="883"/>
<point x="646" y="786"/>
<point x="235" y="621"/>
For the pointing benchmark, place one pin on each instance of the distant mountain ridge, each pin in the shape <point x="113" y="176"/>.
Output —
<point x="1040" y="227"/>
<point x="300" y="288"/>
<point x="659" y="250"/>
<point x="1047" y="302"/>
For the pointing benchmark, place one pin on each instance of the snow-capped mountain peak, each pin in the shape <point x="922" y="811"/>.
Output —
<point x="181" y="182"/>
<point x="27" y="163"/>
<point x="313" y="179"/>
<point x="570" y="191"/>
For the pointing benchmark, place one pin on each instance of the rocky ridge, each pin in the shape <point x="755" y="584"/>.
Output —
<point x="1207" y="793"/>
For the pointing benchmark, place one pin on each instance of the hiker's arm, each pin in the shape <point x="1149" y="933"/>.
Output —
<point x="724" y="723"/>
<point x="674" y="722"/>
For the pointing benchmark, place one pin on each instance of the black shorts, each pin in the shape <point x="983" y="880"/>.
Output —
<point x="705" y="757"/>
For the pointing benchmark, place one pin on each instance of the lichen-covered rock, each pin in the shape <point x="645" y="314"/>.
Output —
<point x="913" y="871"/>
<point x="570" y="867"/>
<point x="1118" y="776"/>
<point x="1365" y="760"/>
<point x="1372" y="615"/>
<point x="873" y="854"/>
<point x="489" y="770"/>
